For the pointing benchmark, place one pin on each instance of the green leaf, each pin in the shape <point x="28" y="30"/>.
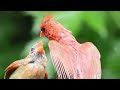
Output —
<point x="112" y="65"/>
<point x="97" y="21"/>
<point x="115" y="15"/>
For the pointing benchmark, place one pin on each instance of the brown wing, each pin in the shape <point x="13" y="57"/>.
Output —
<point x="12" y="67"/>
<point x="80" y="63"/>
<point x="29" y="71"/>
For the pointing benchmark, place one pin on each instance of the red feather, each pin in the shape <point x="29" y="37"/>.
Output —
<point x="82" y="62"/>
<point x="71" y="59"/>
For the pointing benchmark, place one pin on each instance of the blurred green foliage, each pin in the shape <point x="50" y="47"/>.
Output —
<point x="19" y="31"/>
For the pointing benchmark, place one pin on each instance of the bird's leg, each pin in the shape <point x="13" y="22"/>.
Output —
<point x="46" y="75"/>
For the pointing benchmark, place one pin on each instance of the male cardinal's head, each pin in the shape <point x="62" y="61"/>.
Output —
<point x="51" y="29"/>
<point x="46" y="26"/>
<point x="37" y="51"/>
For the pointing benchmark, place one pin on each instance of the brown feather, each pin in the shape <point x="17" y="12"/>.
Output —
<point x="12" y="67"/>
<point x="32" y="67"/>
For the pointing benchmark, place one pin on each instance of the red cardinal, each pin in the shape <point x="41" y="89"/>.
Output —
<point x="71" y="59"/>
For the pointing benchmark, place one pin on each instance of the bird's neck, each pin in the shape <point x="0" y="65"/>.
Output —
<point x="67" y="39"/>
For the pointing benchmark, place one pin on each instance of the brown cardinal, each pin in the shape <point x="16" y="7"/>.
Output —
<point x="32" y="67"/>
<point x="71" y="59"/>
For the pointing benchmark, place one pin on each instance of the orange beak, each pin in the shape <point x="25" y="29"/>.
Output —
<point x="40" y="50"/>
<point x="42" y="34"/>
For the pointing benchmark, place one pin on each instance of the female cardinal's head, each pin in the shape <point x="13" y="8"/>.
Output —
<point x="37" y="52"/>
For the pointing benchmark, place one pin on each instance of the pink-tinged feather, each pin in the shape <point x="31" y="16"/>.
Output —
<point x="80" y="63"/>
<point x="89" y="60"/>
<point x="71" y="59"/>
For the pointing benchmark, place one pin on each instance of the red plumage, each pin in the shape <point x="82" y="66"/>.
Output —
<point x="71" y="59"/>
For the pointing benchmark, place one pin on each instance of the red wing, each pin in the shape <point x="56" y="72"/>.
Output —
<point x="82" y="62"/>
<point x="89" y="61"/>
<point x="63" y="60"/>
<point x="12" y="67"/>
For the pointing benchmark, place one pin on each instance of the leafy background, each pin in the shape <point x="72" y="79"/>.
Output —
<point x="19" y="31"/>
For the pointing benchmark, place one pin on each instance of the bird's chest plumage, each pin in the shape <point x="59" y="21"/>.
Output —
<point x="29" y="71"/>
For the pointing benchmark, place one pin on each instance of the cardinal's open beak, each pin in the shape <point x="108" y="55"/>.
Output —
<point x="40" y="48"/>
<point x="42" y="34"/>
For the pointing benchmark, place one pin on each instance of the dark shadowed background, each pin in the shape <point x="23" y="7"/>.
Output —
<point x="19" y="31"/>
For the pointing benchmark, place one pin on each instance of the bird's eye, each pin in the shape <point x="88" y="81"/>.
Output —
<point x="32" y="49"/>
<point x="43" y="29"/>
